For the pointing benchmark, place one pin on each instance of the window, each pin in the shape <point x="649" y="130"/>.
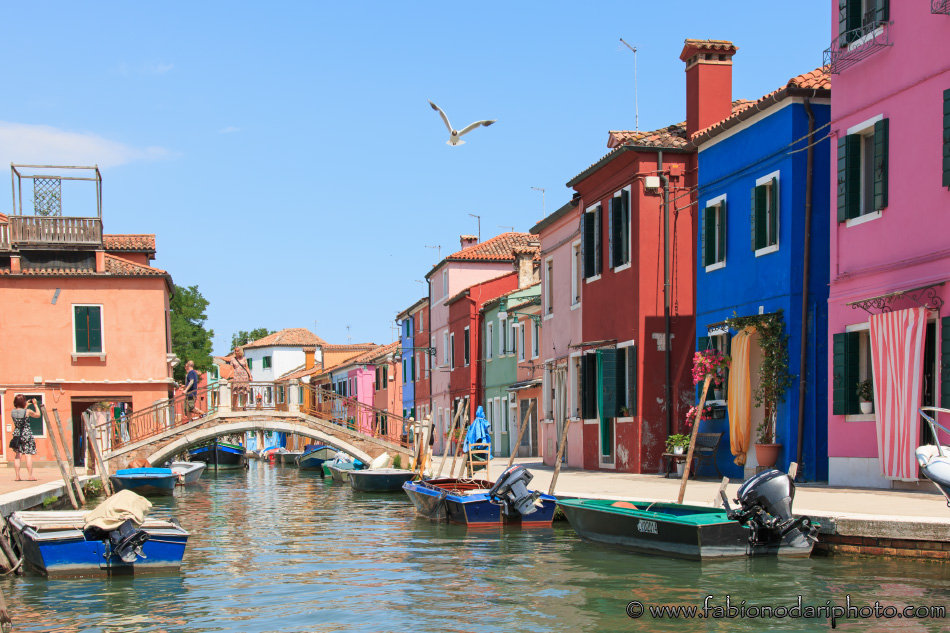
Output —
<point x="490" y="413"/>
<point x="465" y="349"/>
<point x="513" y="338"/>
<point x="521" y="345"/>
<point x="407" y="327"/>
<point x="37" y="425"/>
<point x="576" y="269"/>
<point x="265" y="362"/>
<point x="577" y="386"/>
<point x="502" y="338"/>
<point x="452" y="350"/>
<point x="592" y="232"/>
<point x="535" y="339"/>
<point x="507" y="403"/>
<point x="379" y="371"/>
<point x="489" y="340"/>
<point x="946" y="138"/>
<point x="445" y="283"/>
<point x="420" y="322"/>
<point x="498" y="416"/>
<point x="855" y="17"/>
<point x="426" y="360"/>
<point x="862" y="170"/>
<point x="385" y="377"/>
<point x="445" y="348"/>
<point x="620" y="229"/>
<point x="417" y="363"/>
<point x="765" y="214"/>
<point x="511" y="415"/>
<point x="850" y="348"/>
<point x="549" y="286"/>
<point x="87" y="328"/>
<point x="250" y="363"/>
<point x="714" y="234"/>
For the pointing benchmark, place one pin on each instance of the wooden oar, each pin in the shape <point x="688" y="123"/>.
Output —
<point x="560" y="454"/>
<point x="59" y="458"/>
<point x="445" y="449"/>
<point x="692" y="439"/>
<point x="69" y="460"/>
<point x="461" y="441"/>
<point x="524" y="425"/>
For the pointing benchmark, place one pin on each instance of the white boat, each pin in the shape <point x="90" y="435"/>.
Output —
<point x="934" y="459"/>
<point x="188" y="472"/>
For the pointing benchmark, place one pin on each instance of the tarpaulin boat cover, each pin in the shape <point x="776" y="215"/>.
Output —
<point x="112" y="512"/>
<point x="479" y="432"/>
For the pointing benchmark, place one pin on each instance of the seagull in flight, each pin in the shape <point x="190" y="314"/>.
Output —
<point x="455" y="136"/>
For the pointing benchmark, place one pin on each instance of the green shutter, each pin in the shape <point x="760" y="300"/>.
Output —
<point x="95" y="329"/>
<point x="773" y="213"/>
<point x="880" y="164"/>
<point x="760" y="211"/>
<point x="616" y="231"/>
<point x="709" y="236"/>
<point x="632" y="375"/>
<point x="598" y="240"/>
<point x="845" y="373"/>
<point x="385" y="376"/>
<point x="607" y="394"/>
<point x="946" y="138"/>
<point x="945" y="362"/>
<point x="625" y="214"/>
<point x="721" y="250"/>
<point x="588" y="244"/>
<point x="82" y="328"/>
<point x="849" y="177"/>
<point x="842" y="179"/>
<point x="881" y="11"/>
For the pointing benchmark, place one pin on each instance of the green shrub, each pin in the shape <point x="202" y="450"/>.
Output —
<point x="397" y="461"/>
<point x="47" y="502"/>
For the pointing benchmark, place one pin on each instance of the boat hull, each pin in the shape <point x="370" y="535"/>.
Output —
<point x="340" y="475"/>
<point x="188" y="472"/>
<point x="290" y="457"/>
<point x="313" y="459"/>
<point x="148" y="482"/>
<point x="466" y="502"/>
<point x="224" y="456"/>
<point x="384" y="480"/>
<point x="698" y="533"/>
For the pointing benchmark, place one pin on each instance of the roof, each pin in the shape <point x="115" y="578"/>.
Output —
<point x="129" y="242"/>
<point x="467" y="291"/>
<point x="297" y="372"/>
<point x="557" y="215"/>
<point x="372" y="355"/>
<point x="114" y="266"/>
<point x="673" y="137"/>
<point x="412" y="308"/>
<point x="816" y="83"/>
<point x="289" y="337"/>
<point x="497" y="249"/>
<point x="348" y="347"/>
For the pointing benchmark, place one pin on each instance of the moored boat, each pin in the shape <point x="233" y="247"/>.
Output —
<point x="314" y="456"/>
<point x="145" y="481"/>
<point x="379" y="479"/>
<point x="188" y="472"/>
<point x="481" y="502"/>
<point x="115" y="538"/>
<point x="289" y="457"/>
<point x="763" y="524"/>
<point x="221" y="455"/>
<point x="934" y="459"/>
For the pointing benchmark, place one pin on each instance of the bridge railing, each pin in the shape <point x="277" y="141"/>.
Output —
<point x="357" y="416"/>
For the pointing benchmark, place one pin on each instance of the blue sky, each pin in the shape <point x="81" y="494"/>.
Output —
<point x="284" y="153"/>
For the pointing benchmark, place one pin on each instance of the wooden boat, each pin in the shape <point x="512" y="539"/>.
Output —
<point x="188" y="472"/>
<point x="470" y="502"/>
<point x="289" y="457"/>
<point x="314" y="456"/>
<point x="55" y="544"/>
<point x="145" y="481"/>
<point x="379" y="479"/>
<point x="221" y="455"/>
<point x="763" y="525"/>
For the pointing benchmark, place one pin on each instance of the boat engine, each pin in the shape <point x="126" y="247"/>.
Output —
<point x="765" y="505"/>
<point x="125" y="541"/>
<point x="511" y="491"/>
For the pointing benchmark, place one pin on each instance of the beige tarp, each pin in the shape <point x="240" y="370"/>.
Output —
<point x="123" y="505"/>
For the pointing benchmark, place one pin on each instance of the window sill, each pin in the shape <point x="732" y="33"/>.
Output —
<point x="768" y="249"/>
<point x="621" y="268"/>
<point x="860" y="417"/>
<point x="867" y="217"/>
<point x="622" y="420"/>
<point x="590" y="279"/>
<point x="100" y="356"/>
<point x="575" y="306"/>
<point x="606" y="465"/>
<point x="715" y="266"/>
<point x="593" y="421"/>
<point x="548" y="317"/>
<point x="870" y="37"/>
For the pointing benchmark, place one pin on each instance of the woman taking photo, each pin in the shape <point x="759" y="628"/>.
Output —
<point x="22" y="442"/>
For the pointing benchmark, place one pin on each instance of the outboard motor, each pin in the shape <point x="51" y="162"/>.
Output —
<point x="125" y="541"/>
<point x="765" y="505"/>
<point x="511" y="491"/>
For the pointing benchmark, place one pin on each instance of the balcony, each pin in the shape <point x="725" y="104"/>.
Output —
<point x="46" y="227"/>
<point x="4" y="237"/>
<point x="30" y="231"/>
<point x="861" y="43"/>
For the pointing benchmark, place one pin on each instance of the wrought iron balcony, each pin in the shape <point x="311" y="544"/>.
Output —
<point x="940" y="6"/>
<point x="859" y="44"/>
<point x="31" y="231"/>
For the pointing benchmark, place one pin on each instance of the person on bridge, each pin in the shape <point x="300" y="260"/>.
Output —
<point x="240" y="379"/>
<point x="191" y="392"/>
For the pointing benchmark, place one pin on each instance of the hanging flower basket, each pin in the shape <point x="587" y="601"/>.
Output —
<point x="710" y="362"/>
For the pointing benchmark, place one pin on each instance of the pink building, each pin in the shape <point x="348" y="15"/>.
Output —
<point x="561" y="280"/>
<point x="890" y="261"/>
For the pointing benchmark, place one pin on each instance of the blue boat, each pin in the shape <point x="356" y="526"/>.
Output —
<point x="219" y="455"/>
<point x="314" y="456"/>
<point x="478" y="502"/>
<point x="58" y="544"/>
<point x="146" y="481"/>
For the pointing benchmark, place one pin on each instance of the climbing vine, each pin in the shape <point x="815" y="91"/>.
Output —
<point x="774" y="377"/>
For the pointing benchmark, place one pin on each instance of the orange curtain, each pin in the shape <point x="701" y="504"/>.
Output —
<point x="740" y="395"/>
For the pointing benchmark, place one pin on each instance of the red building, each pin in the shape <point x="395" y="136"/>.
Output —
<point x="638" y="226"/>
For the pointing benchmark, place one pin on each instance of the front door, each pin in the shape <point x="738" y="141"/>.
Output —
<point x="529" y="440"/>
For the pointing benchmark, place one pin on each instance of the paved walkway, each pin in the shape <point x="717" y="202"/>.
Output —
<point x="44" y="475"/>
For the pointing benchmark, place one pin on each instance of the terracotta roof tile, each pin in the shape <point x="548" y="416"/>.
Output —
<point x="129" y="242"/>
<point x="372" y="355"/>
<point x="114" y="266"/>
<point x="290" y="337"/>
<point x="672" y="136"/>
<point x="348" y="347"/>
<point x="498" y="249"/>
<point x="118" y="266"/>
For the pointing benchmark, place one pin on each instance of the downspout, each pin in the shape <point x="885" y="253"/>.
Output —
<point x="809" y="178"/>
<point x="666" y="288"/>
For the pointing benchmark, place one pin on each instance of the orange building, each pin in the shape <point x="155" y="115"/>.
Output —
<point x="84" y="320"/>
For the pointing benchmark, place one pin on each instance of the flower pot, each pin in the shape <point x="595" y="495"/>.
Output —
<point x="867" y="407"/>
<point x="717" y="394"/>
<point x="678" y="450"/>
<point x="680" y="467"/>
<point x="767" y="454"/>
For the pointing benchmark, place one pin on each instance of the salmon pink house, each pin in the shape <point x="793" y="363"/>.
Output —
<point x="888" y="313"/>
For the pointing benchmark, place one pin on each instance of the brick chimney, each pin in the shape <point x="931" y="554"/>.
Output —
<point x="708" y="82"/>
<point x="528" y="274"/>
<point x="468" y="240"/>
<point x="308" y="356"/>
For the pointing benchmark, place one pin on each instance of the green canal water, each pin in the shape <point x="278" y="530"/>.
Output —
<point x="278" y="549"/>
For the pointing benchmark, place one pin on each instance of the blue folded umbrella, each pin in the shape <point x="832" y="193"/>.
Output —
<point x="479" y="432"/>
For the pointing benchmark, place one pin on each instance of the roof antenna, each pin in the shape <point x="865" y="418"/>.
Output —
<point x="636" y="104"/>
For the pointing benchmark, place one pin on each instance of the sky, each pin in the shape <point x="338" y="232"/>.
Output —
<point x="284" y="153"/>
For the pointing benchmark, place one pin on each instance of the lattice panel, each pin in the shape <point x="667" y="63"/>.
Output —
<point x="47" y="196"/>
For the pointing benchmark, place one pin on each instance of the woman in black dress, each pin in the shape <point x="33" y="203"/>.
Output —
<point x="23" y="442"/>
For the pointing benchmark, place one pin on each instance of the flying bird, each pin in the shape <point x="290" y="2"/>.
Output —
<point x="455" y="136"/>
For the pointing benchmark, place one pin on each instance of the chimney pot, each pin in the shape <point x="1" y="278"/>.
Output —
<point x="468" y="240"/>
<point x="708" y="82"/>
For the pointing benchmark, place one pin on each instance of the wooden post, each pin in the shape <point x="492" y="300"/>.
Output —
<point x="100" y="463"/>
<point x="6" y="624"/>
<point x="692" y="440"/>
<point x="560" y="454"/>
<point x="463" y="422"/>
<point x="717" y="500"/>
<point x="524" y="425"/>
<point x="445" y="449"/>
<point x="59" y="458"/>
<point x="69" y="459"/>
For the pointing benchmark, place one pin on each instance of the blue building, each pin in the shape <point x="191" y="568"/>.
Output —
<point x="754" y="174"/>
<point x="411" y="368"/>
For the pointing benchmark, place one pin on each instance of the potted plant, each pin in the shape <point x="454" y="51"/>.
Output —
<point x="677" y="443"/>
<point x="711" y="362"/>
<point x="866" y="395"/>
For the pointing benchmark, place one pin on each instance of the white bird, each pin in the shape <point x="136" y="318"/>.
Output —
<point x="455" y="136"/>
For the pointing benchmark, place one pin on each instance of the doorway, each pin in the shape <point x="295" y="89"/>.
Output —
<point x="529" y="441"/>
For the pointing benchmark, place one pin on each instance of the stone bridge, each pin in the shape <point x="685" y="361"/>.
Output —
<point x="163" y="446"/>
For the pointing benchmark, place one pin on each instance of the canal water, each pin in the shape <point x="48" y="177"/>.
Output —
<point x="278" y="549"/>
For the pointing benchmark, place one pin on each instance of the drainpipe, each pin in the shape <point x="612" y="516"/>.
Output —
<point x="809" y="178"/>
<point x="666" y="288"/>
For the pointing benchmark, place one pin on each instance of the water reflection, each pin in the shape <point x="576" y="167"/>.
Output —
<point x="278" y="549"/>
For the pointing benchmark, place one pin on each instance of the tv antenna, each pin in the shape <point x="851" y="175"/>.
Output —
<point x="636" y="105"/>
<point x="438" y="246"/>
<point x="479" y="218"/>
<point x="541" y="189"/>
<point x="348" y="337"/>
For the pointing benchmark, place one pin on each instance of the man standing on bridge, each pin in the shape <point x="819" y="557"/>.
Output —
<point x="191" y="392"/>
